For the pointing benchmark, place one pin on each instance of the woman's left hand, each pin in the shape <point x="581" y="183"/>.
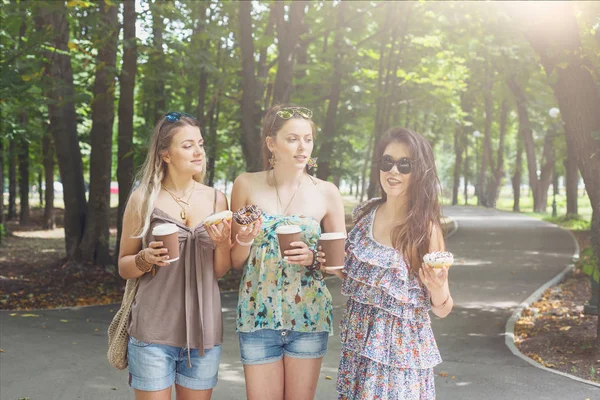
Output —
<point x="302" y="255"/>
<point x="220" y="234"/>
<point x="433" y="279"/>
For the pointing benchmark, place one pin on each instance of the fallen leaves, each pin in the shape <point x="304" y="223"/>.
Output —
<point x="555" y="333"/>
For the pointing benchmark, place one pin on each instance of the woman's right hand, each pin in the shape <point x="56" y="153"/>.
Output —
<point x="156" y="254"/>
<point x="247" y="234"/>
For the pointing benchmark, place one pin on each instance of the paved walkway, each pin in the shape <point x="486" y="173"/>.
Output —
<point x="502" y="259"/>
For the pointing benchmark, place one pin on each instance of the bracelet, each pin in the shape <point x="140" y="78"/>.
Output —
<point x="315" y="264"/>
<point x="141" y="263"/>
<point x="245" y="244"/>
<point x="443" y="304"/>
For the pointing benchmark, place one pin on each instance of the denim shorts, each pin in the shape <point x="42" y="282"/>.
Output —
<point x="267" y="345"/>
<point x="154" y="367"/>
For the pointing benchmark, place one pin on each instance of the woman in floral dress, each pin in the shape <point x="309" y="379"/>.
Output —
<point x="388" y="347"/>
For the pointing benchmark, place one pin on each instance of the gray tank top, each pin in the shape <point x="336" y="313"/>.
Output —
<point x="180" y="305"/>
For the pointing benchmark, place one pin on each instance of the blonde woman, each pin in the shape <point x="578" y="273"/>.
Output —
<point x="176" y="324"/>
<point x="284" y="311"/>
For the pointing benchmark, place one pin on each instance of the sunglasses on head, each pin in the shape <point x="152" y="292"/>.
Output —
<point x="288" y="112"/>
<point x="386" y="163"/>
<point x="175" y="116"/>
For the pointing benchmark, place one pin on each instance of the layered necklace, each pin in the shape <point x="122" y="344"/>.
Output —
<point x="184" y="204"/>
<point x="280" y="204"/>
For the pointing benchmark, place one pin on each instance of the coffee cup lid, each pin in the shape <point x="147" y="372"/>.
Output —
<point x="288" y="229"/>
<point x="332" y="236"/>
<point x="164" y="229"/>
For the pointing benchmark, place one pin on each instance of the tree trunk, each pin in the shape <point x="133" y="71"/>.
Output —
<point x="49" y="221"/>
<point x="572" y="176"/>
<point x="125" y="165"/>
<point x="486" y="155"/>
<point x="458" y="150"/>
<point x="40" y="190"/>
<point x="329" y="129"/>
<point x="53" y="23"/>
<point x="2" y="226"/>
<point x="288" y="34"/>
<point x="526" y="132"/>
<point x="24" y="213"/>
<point x="95" y="243"/>
<point x="12" y="179"/>
<point x="363" y="180"/>
<point x="380" y="100"/>
<point x="516" y="178"/>
<point x="250" y="107"/>
<point x="466" y="171"/>
<point x="498" y="169"/>
<point x="540" y="203"/>
<point x="157" y="57"/>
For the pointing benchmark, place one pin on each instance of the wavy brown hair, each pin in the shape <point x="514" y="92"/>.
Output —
<point x="272" y="123"/>
<point x="412" y="236"/>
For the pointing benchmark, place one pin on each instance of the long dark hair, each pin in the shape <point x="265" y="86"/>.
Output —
<point x="412" y="236"/>
<point x="272" y="123"/>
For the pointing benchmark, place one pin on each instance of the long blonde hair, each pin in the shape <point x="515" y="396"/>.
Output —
<point x="153" y="171"/>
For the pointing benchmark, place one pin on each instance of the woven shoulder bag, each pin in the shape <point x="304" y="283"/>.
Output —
<point x="118" y="337"/>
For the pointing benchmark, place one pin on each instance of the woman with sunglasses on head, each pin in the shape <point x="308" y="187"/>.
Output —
<point x="284" y="309"/>
<point x="176" y="324"/>
<point x="388" y="348"/>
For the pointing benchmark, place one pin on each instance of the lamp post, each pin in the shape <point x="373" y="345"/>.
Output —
<point x="554" y="112"/>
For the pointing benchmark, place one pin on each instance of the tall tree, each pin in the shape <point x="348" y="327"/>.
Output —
<point x="571" y="175"/>
<point x="329" y="129"/>
<point x="516" y="177"/>
<point x="126" y="111"/>
<point x="498" y="168"/>
<point x="94" y="246"/>
<point x="250" y="104"/>
<point x="539" y="185"/>
<point x="157" y="58"/>
<point x="51" y="22"/>
<point x="24" y="213"/>
<point x="49" y="221"/>
<point x="12" y="178"/>
<point x="2" y="226"/>
<point x="288" y="35"/>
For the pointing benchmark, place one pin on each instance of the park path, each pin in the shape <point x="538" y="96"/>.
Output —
<point x="501" y="259"/>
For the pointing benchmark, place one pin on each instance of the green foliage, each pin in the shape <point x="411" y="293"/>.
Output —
<point x="571" y="222"/>
<point x="588" y="263"/>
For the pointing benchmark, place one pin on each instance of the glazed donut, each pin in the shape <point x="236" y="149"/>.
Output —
<point x="247" y="214"/>
<point x="439" y="259"/>
<point x="216" y="219"/>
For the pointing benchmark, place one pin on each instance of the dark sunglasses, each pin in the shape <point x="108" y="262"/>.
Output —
<point x="288" y="112"/>
<point x="175" y="116"/>
<point x="386" y="163"/>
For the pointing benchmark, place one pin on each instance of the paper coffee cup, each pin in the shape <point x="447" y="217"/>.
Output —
<point x="333" y="244"/>
<point x="169" y="235"/>
<point x="287" y="234"/>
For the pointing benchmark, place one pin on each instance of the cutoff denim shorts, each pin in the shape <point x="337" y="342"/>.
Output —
<point x="154" y="367"/>
<point x="267" y="345"/>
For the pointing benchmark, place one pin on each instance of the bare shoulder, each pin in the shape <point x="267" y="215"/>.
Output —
<point x="328" y="189"/>
<point x="249" y="178"/>
<point x="135" y="198"/>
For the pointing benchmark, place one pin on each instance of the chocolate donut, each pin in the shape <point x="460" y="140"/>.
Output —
<point x="247" y="215"/>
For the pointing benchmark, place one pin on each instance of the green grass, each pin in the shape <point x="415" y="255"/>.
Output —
<point x="582" y="221"/>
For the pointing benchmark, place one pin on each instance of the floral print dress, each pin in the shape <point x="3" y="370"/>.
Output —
<point x="388" y="348"/>
<point x="275" y="294"/>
